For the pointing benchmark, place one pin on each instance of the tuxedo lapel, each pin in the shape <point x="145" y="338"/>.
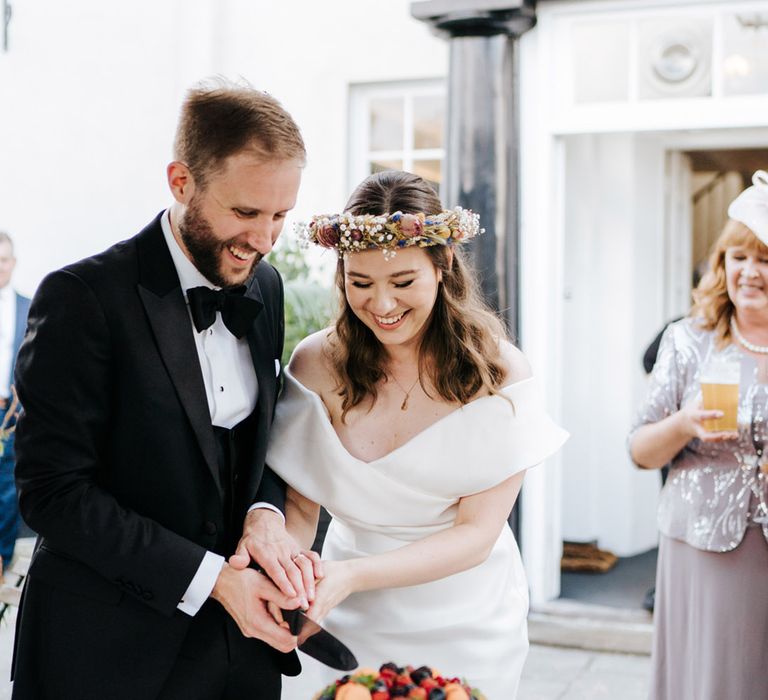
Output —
<point x="163" y="300"/>
<point x="260" y="343"/>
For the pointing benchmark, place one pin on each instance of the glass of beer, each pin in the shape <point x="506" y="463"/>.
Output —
<point x="720" y="391"/>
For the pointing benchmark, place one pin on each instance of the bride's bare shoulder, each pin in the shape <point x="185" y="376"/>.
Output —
<point x="310" y="362"/>
<point x="515" y="363"/>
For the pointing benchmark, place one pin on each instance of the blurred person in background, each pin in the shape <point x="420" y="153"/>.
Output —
<point x="711" y="617"/>
<point x="13" y="320"/>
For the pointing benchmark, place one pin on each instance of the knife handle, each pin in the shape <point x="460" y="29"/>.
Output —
<point x="290" y="616"/>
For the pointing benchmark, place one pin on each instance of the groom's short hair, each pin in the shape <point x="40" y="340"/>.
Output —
<point x="220" y="118"/>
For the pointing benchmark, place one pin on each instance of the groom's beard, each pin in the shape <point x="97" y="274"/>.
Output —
<point x="207" y="250"/>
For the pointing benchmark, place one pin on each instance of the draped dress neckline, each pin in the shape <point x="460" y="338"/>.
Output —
<point x="461" y="411"/>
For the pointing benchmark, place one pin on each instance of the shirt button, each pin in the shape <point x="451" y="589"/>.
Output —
<point x="210" y="331"/>
<point x="221" y="388"/>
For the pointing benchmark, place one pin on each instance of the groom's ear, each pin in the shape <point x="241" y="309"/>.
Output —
<point x="180" y="181"/>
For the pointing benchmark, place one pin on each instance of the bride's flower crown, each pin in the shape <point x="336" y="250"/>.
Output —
<point x="389" y="232"/>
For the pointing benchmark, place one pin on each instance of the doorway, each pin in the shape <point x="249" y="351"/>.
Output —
<point x="641" y="215"/>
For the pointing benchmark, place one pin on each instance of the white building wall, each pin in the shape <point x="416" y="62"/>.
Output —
<point x="90" y="92"/>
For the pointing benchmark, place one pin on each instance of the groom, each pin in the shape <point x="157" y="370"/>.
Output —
<point x="149" y="376"/>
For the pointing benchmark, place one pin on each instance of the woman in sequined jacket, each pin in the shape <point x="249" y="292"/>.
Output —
<point x="711" y="617"/>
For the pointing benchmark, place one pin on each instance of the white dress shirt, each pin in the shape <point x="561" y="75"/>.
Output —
<point x="231" y="388"/>
<point x="7" y="333"/>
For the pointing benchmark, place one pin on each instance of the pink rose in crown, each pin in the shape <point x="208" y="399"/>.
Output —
<point x="412" y="225"/>
<point x="326" y="236"/>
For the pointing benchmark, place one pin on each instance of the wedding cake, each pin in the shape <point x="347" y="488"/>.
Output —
<point x="392" y="681"/>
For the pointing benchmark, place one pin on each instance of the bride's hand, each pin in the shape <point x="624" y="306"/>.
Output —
<point x="337" y="583"/>
<point x="266" y="541"/>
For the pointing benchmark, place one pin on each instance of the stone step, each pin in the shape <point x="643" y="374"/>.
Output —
<point x="576" y="625"/>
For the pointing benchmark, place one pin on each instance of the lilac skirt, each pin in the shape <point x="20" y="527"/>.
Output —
<point x="711" y="622"/>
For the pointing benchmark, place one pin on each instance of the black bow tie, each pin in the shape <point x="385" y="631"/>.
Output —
<point x="237" y="311"/>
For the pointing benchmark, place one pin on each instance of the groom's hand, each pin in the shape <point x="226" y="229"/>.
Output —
<point x="246" y="595"/>
<point x="266" y="541"/>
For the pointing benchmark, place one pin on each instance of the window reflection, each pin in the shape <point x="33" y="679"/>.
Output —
<point x="378" y="166"/>
<point x="428" y="112"/>
<point x="386" y="124"/>
<point x="745" y="53"/>
<point x="430" y="170"/>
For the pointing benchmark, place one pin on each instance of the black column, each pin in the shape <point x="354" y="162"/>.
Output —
<point x="482" y="148"/>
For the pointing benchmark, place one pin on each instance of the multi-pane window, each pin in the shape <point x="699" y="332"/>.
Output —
<point x="710" y="51"/>
<point x="398" y="127"/>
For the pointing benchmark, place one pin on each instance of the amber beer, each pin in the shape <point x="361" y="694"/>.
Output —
<point x="720" y="391"/>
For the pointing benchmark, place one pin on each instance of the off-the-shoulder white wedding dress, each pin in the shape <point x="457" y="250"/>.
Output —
<point x="471" y="624"/>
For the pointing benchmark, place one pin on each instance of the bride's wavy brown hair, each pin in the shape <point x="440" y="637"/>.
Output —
<point x="460" y="350"/>
<point x="711" y="301"/>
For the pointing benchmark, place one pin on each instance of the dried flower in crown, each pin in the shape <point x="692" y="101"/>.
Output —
<point x="389" y="232"/>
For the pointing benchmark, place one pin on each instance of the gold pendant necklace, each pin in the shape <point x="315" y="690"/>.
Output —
<point x="404" y="405"/>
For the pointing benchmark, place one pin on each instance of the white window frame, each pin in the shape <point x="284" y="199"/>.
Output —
<point x="359" y="154"/>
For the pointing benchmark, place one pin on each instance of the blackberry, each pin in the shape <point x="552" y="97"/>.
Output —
<point x="420" y="674"/>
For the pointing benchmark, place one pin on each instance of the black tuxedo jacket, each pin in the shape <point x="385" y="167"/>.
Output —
<point x="116" y="468"/>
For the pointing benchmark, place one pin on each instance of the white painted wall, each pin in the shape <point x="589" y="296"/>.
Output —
<point x="90" y="92"/>
<point x="613" y="238"/>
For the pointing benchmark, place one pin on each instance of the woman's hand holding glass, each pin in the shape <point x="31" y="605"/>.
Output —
<point x="693" y="417"/>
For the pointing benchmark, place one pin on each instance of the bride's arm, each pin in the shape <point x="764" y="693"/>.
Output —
<point x="467" y="543"/>
<point x="301" y="516"/>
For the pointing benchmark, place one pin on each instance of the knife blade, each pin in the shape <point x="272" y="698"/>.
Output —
<point x="314" y="640"/>
<point x="319" y="643"/>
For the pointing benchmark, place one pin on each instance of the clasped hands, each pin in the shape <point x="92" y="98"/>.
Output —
<point x="254" y="599"/>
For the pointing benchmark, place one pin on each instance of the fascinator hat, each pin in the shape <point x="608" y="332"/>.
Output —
<point x="751" y="206"/>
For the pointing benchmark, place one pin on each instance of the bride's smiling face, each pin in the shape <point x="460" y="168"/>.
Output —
<point x="394" y="297"/>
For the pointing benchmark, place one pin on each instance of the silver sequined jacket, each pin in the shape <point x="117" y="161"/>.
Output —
<point x="713" y="489"/>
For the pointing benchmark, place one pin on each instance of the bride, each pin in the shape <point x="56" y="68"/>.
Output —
<point x="412" y="420"/>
